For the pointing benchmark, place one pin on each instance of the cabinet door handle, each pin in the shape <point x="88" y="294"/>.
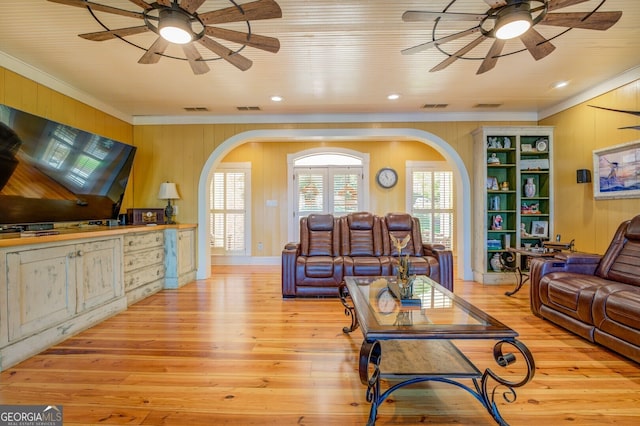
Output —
<point x="79" y="253"/>
<point x="131" y="242"/>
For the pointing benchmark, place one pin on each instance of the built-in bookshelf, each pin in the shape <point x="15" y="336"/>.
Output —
<point x="513" y="201"/>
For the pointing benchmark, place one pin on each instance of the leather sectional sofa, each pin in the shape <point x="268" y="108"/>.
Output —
<point x="358" y="244"/>
<point x="596" y="297"/>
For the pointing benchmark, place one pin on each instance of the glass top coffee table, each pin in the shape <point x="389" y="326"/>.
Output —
<point x="411" y="341"/>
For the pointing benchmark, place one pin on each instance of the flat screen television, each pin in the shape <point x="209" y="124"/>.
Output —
<point x="51" y="172"/>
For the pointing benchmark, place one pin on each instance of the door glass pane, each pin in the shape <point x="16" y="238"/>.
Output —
<point x="345" y="193"/>
<point x="310" y="193"/>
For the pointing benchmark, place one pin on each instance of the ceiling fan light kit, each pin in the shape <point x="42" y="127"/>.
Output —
<point x="504" y="21"/>
<point x="178" y="22"/>
<point x="513" y="21"/>
<point x="175" y="27"/>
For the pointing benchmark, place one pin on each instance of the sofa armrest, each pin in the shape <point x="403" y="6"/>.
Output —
<point x="289" y="255"/>
<point x="445" y="263"/>
<point x="579" y="263"/>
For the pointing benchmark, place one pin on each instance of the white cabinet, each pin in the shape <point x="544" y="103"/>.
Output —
<point x="180" y="251"/>
<point x="505" y="213"/>
<point x="54" y="291"/>
<point x="98" y="272"/>
<point x="41" y="289"/>
<point x="144" y="269"/>
<point x="52" y="287"/>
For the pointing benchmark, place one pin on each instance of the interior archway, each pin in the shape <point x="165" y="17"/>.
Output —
<point x="463" y="188"/>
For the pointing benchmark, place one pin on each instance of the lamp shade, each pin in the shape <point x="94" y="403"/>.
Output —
<point x="168" y="191"/>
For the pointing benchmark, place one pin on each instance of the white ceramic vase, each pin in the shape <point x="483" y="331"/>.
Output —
<point x="529" y="188"/>
<point x="495" y="263"/>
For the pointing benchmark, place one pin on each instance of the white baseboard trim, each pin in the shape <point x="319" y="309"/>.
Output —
<point x="245" y="260"/>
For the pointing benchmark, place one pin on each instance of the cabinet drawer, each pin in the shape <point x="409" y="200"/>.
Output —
<point x="143" y="276"/>
<point x="143" y="258"/>
<point x="143" y="241"/>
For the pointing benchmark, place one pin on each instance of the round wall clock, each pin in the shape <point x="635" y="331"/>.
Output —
<point x="387" y="177"/>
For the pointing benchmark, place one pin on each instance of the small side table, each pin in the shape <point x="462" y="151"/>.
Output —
<point x="515" y="255"/>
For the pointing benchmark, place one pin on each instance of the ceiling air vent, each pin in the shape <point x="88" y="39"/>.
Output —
<point x="434" y="106"/>
<point x="487" y="105"/>
<point x="196" y="109"/>
<point x="248" y="108"/>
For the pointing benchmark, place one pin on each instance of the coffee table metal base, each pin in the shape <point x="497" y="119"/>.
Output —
<point x="409" y="361"/>
<point x="450" y="369"/>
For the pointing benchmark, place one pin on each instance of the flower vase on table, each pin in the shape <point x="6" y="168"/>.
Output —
<point x="404" y="279"/>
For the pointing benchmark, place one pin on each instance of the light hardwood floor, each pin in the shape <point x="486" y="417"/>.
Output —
<point x="230" y="350"/>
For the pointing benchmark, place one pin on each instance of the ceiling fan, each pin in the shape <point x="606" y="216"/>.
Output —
<point x="178" y="22"/>
<point x="506" y="20"/>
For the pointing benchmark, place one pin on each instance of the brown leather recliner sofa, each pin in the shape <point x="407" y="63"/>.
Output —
<point x="358" y="244"/>
<point x="596" y="297"/>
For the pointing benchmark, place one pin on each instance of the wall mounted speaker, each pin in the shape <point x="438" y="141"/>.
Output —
<point x="583" y="176"/>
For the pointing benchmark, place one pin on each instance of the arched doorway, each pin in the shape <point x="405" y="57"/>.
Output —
<point x="463" y="207"/>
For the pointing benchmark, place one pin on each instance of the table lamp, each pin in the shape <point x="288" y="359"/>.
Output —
<point x="168" y="191"/>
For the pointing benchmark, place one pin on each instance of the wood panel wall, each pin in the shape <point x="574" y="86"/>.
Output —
<point x="26" y="95"/>
<point x="178" y="153"/>
<point x="578" y="132"/>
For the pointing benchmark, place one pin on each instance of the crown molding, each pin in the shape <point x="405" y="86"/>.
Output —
<point x="47" y="80"/>
<point x="620" y="80"/>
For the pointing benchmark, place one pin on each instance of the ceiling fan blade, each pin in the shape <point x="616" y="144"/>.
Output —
<point x="191" y="5"/>
<point x="153" y="54"/>
<point x="164" y="2"/>
<point x="492" y="57"/>
<point x="234" y="59"/>
<point x="495" y="3"/>
<point x="198" y="66"/>
<point x="596" y="21"/>
<point x="536" y="44"/>
<point x="451" y="59"/>
<point x="269" y="44"/>
<point x="443" y="40"/>
<point x="559" y="4"/>
<point x="143" y="4"/>
<point x="625" y="111"/>
<point x="111" y="34"/>
<point x="100" y="7"/>
<point x="417" y="16"/>
<point x="259" y="9"/>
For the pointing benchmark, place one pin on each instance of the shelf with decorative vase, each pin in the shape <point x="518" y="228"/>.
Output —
<point x="513" y="187"/>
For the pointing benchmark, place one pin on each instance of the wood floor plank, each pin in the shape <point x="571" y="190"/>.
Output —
<point x="229" y="350"/>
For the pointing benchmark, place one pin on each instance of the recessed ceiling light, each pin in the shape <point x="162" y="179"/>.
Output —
<point x="393" y="97"/>
<point x="276" y="98"/>
<point x="560" y="84"/>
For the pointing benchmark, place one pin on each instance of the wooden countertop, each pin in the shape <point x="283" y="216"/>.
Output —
<point x="85" y="231"/>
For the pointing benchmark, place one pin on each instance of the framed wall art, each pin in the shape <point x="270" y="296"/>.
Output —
<point x="492" y="183"/>
<point x="540" y="228"/>
<point x="617" y="171"/>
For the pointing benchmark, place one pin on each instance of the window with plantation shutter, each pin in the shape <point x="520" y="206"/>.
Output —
<point x="430" y="199"/>
<point x="229" y="209"/>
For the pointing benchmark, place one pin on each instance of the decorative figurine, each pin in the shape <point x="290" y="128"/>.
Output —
<point x="497" y="223"/>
